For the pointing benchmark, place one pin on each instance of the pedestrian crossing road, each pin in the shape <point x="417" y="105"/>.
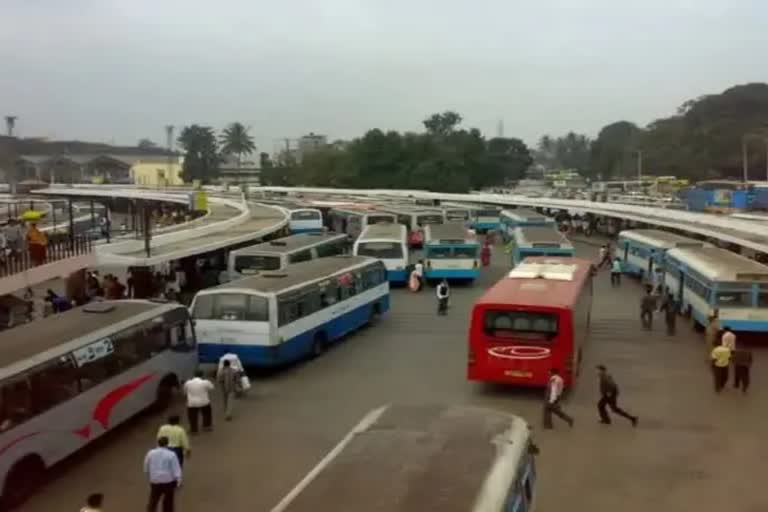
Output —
<point x="692" y="450"/>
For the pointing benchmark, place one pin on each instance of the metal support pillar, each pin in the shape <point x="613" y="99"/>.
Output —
<point x="71" y="225"/>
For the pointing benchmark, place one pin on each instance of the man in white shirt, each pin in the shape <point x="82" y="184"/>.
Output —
<point x="164" y="472"/>
<point x="552" y="400"/>
<point x="198" y="391"/>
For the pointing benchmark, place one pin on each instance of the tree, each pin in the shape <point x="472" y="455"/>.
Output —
<point x="201" y="158"/>
<point x="614" y="150"/>
<point x="235" y="140"/>
<point x="442" y="124"/>
<point x="146" y="144"/>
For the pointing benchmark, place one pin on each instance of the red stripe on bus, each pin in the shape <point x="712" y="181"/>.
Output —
<point x="104" y="408"/>
<point x="17" y="441"/>
<point x="84" y="432"/>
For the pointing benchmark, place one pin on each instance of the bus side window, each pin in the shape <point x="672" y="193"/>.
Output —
<point x="305" y="255"/>
<point x="53" y="383"/>
<point x="15" y="403"/>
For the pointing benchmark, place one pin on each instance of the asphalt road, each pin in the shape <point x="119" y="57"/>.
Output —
<point x="693" y="450"/>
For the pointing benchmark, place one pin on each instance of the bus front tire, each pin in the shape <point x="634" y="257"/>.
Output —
<point x="164" y="394"/>
<point x="23" y="479"/>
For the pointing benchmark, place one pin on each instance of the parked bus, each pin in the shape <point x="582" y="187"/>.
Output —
<point x="353" y="221"/>
<point x="305" y="220"/>
<point x="389" y="243"/>
<point x="277" y="318"/>
<point x="485" y="218"/>
<point x="511" y="219"/>
<point x="535" y="319"/>
<point x="473" y="459"/>
<point x="538" y="241"/>
<point x="415" y="220"/>
<point x="278" y="254"/>
<point x="67" y="380"/>
<point x="450" y="252"/>
<point x="456" y="213"/>
<point x="718" y="279"/>
<point x="642" y="250"/>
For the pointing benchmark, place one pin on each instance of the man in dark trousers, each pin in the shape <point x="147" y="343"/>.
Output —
<point x="647" y="305"/>
<point x="609" y="395"/>
<point x="741" y="358"/>
<point x="669" y="307"/>
<point x="555" y="388"/>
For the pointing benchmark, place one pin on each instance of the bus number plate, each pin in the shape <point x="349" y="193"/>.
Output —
<point x="518" y="373"/>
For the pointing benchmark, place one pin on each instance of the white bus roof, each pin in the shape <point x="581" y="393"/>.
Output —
<point x="293" y="275"/>
<point x="720" y="264"/>
<point x="383" y="232"/>
<point x="450" y="231"/>
<point x="417" y="459"/>
<point x="554" y="271"/>
<point x="542" y="235"/>
<point x="289" y="244"/>
<point x="33" y="343"/>
<point x="659" y="238"/>
<point x="525" y="213"/>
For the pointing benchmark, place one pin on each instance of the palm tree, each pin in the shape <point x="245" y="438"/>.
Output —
<point x="235" y="140"/>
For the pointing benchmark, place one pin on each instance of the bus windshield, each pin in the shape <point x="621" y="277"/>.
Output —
<point x="520" y="325"/>
<point x="250" y="264"/>
<point x="381" y="250"/>
<point x="305" y="215"/>
<point x="378" y="219"/>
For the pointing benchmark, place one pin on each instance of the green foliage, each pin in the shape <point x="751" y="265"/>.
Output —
<point x="146" y="144"/>
<point x="201" y="158"/>
<point x="571" y="151"/>
<point x="614" y="151"/>
<point x="444" y="158"/>
<point x="235" y="140"/>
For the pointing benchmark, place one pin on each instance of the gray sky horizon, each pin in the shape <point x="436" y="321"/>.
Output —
<point x="117" y="71"/>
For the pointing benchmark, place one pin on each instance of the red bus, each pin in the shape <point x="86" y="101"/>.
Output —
<point x="535" y="319"/>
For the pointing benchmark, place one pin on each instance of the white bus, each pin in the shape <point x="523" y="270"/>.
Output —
<point x="421" y="459"/>
<point x="353" y="221"/>
<point x="642" y="250"/>
<point x="389" y="243"/>
<point x="305" y="220"/>
<point x="416" y="219"/>
<point x="67" y="380"/>
<point x="278" y="254"/>
<point x="278" y="318"/>
<point x="706" y="279"/>
<point x="450" y="252"/>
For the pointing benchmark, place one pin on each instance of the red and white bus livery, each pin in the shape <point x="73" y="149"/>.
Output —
<point x="535" y="319"/>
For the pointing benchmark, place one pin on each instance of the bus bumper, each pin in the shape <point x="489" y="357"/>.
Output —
<point x="397" y="276"/>
<point x="449" y="273"/>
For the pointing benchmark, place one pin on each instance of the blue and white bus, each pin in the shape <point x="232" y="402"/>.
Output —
<point x="353" y="221"/>
<point x="485" y="218"/>
<point x="511" y="219"/>
<point x="705" y="279"/>
<point x="415" y="220"/>
<point x="281" y="317"/>
<point x="454" y="213"/>
<point x="471" y="458"/>
<point x="278" y="254"/>
<point x="305" y="220"/>
<point x="538" y="241"/>
<point x="450" y="252"/>
<point x="642" y="250"/>
<point x="388" y="243"/>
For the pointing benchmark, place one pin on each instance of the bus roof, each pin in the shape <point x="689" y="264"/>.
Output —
<point x="275" y="282"/>
<point x="720" y="264"/>
<point x="455" y="232"/>
<point x="289" y="243"/>
<point x="26" y="341"/>
<point x="548" y="290"/>
<point x="416" y="459"/>
<point x="659" y="238"/>
<point x="525" y="213"/>
<point x="542" y="235"/>
<point x="383" y="232"/>
<point x="412" y="210"/>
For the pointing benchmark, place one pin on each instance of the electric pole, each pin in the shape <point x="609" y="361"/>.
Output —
<point x="10" y="124"/>
<point x="169" y="147"/>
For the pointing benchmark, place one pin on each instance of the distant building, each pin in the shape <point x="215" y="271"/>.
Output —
<point x="311" y="142"/>
<point x="248" y="171"/>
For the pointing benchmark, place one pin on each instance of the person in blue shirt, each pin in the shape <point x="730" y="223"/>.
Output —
<point x="616" y="272"/>
<point x="164" y="472"/>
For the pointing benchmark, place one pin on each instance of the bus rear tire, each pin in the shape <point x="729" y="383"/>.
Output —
<point x="164" y="394"/>
<point x="319" y="344"/>
<point x="375" y="314"/>
<point x="23" y="479"/>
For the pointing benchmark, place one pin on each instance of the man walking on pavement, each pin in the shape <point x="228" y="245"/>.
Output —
<point x="609" y="395"/>
<point x="443" y="293"/>
<point x="669" y="307"/>
<point x="198" y="392"/>
<point x="228" y="378"/>
<point x="647" y="305"/>
<point x="742" y="364"/>
<point x="164" y="472"/>
<point x="721" y="358"/>
<point x="552" y="399"/>
<point x="712" y="331"/>
<point x="178" y="442"/>
<point x="616" y="272"/>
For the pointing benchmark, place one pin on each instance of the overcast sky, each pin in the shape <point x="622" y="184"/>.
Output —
<point x="119" y="70"/>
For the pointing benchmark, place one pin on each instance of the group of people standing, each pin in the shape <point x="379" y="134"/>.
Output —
<point x="15" y="238"/>
<point x="416" y="284"/>
<point x="724" y="354"/>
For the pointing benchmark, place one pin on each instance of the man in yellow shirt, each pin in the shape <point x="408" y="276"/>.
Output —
<point x="178" y="442"/>
<point x="721" y="359"/>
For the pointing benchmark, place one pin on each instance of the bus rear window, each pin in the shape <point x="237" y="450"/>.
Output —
<point x="305" y="215"/>
<point x="247" y="264"/>
<point x="381" y="250"/>
<point x="423" y="220"/>
<point x="379" y="219"/>
<point x="520" y="325"/>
